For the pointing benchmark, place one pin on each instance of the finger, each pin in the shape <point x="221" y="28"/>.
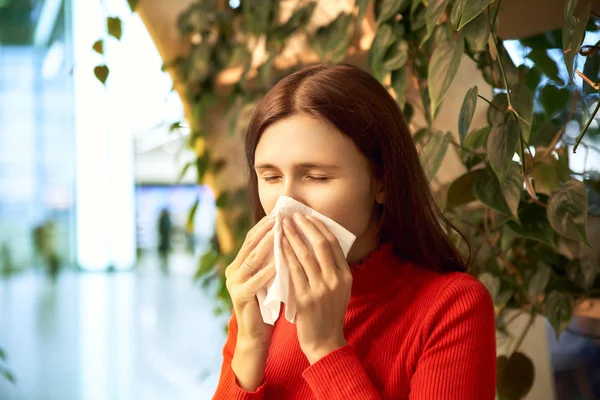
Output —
<point x="257" y="258"/>
<point x="336" y="248"/>
<point x="253" y="238"/>
<point x="261" y="278"/>
<point x="297" y="273"/>
<point x="304" y="255"/>
<point x="320" y="244"/>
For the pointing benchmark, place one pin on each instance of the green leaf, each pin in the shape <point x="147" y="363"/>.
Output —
<point x="184" y="171"/>
<point x="219" y="165"/>
<point x="433" y="153"/>
<point x="399" y="84"/>
<point x="298" y="20"/>
<point x="257" y="15"/>
<point x="544" y="135"/>
<point x="471" y="10"/>
<point x="99" y="46"/>
<point x="564" y="172"/>
<point x="591" y="69"/>
<point x="533" y="77"/>
<point x="208" y="261"/>
<point x="514" y="376"/>
<point x="363" y="6"/>
<point x="502" y="145"/>
<point x="114" y="27"/>
<point x="522" y="102"/>
<point x="567" y="211"/>
<point x="538" y="281"/>
<point x="554" y="99"/>
<point x="7" y="374"/>
<point x="2" y="354"/>
<point x="466" y="113"/>
<point x="546" y="175"/>
<point x="477" y="139"/>
<point x="570" y="8"/>
<point x="534" y="225"/>
<point x="101" y="72"/>
<point x="435" y="9"/>
<point x="223" y="200"/>
<point x="573" y="34"/>
<point x="202" y="164"/>
<point x="386" y="9"/>
<point x="192" y="214"/>
<point x="382" y="41"/>
<point x="442" y="70"/>
<point x="331" y="41"/>
<point x="477" y="33"/>
<point x="396" y="56"/>
<point x="545" y="64"/>
<point x="132" y="4"/>
<point x="456" y="13"/>
<point x="420" y="135"/>
<point x="461" y="191"/>
<point x="491" y="282"/>
<point x="503" y="199"/>
<point x="559" y="310"/>
<point x="544" y="41"/>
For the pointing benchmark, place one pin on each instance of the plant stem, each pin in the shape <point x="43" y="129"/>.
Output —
<point x="594" y="85"/>
<point x="458" y="145"/>
<point x="490" y="103"/>
<point x="498" y="58"/>
<point x="587" y="125"/>
<point x="524" y="333"/>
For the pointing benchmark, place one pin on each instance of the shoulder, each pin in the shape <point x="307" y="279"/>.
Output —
<point x="444" y="292"/>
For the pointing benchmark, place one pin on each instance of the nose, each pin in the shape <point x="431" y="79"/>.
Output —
<point x="291" y="189"/>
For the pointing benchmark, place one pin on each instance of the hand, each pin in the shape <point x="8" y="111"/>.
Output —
<point x="322" y="282"/>
<point x="245" y="276"/>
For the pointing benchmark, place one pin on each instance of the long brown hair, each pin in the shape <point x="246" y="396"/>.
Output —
<point x="362" y="109"/>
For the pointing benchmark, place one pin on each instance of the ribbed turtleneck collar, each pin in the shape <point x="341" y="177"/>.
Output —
<point x="375" y="271"/>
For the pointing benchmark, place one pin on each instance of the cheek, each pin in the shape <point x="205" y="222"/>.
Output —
<point x="268" y="197"/>
<point x="353" y="212"/>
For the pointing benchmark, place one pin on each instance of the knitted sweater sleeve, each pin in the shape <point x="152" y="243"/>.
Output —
<point x="228" y="388"/>
<point x="340" y="376"/>
<point x="458" y="359"/>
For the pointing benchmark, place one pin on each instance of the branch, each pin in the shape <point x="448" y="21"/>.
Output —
<point x="524" y="333"/>
<point x="594" y="85"/>
<point x="490" y="103"/>
<point x="585" y="128"/>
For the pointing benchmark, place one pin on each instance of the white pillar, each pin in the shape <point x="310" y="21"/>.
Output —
<point x="105" y="216"/>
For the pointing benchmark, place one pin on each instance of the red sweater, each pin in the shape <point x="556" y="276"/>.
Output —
<point x="412" y="333"/>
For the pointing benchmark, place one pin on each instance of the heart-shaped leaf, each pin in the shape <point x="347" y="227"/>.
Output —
<point x="554" y="100"/>
<point x="435" y="9"/>
<point x="534" y="225"/>
<point x="444" y="64"/>
<point x="546" y="174"/>
<point x="433" y="153"/>
<point x="114" y="26"/>
<point x="559" y="310"/>
<point x="573" y="34"/>
<point x="101" y="72"/>
<point x="514" y="376"/>
<point x="545" y="64"/>
<point x="522" y="102"/>
<point x="477" y="33"/>
<point x="504" y="199"/>
<point x="396" y="56"/>
<point x="502" y="145"/>
<point x="538" y="281"/>
<point x="567" y="211"/>
<point x="461" y="191"/>
<point x="99" y="46"/>
<point x="471" y="9"/>
<point x="456" y="13"/>
<point x="381" y="43"/>
<point x="466" y="113"/>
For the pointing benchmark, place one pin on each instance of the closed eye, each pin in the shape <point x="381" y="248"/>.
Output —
<point x="270" y="178"/>
<point x="317" y="178"/>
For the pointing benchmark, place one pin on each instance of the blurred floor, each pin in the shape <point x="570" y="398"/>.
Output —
<point x="98" y="336"/>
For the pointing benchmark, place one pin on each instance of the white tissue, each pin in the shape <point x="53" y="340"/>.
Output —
<point x="280" y="288"/>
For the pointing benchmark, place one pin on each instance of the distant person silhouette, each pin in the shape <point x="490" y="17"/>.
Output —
<point x="165" y="230"/>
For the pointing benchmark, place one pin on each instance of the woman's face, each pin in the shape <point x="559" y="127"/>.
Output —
<point x="312" y="162"/>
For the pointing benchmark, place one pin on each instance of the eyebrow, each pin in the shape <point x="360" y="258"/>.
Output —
<point x="310" y="165"/>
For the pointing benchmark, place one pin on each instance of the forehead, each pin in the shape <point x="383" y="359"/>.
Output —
<point x="301" y="138"/>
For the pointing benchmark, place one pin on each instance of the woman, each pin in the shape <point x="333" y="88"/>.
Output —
<point x="399" y="318"/>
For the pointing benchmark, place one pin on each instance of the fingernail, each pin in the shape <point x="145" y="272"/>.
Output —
<point x="297" y="216"/>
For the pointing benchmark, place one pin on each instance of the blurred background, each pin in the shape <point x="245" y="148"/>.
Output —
<point x="104" y="228"/>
